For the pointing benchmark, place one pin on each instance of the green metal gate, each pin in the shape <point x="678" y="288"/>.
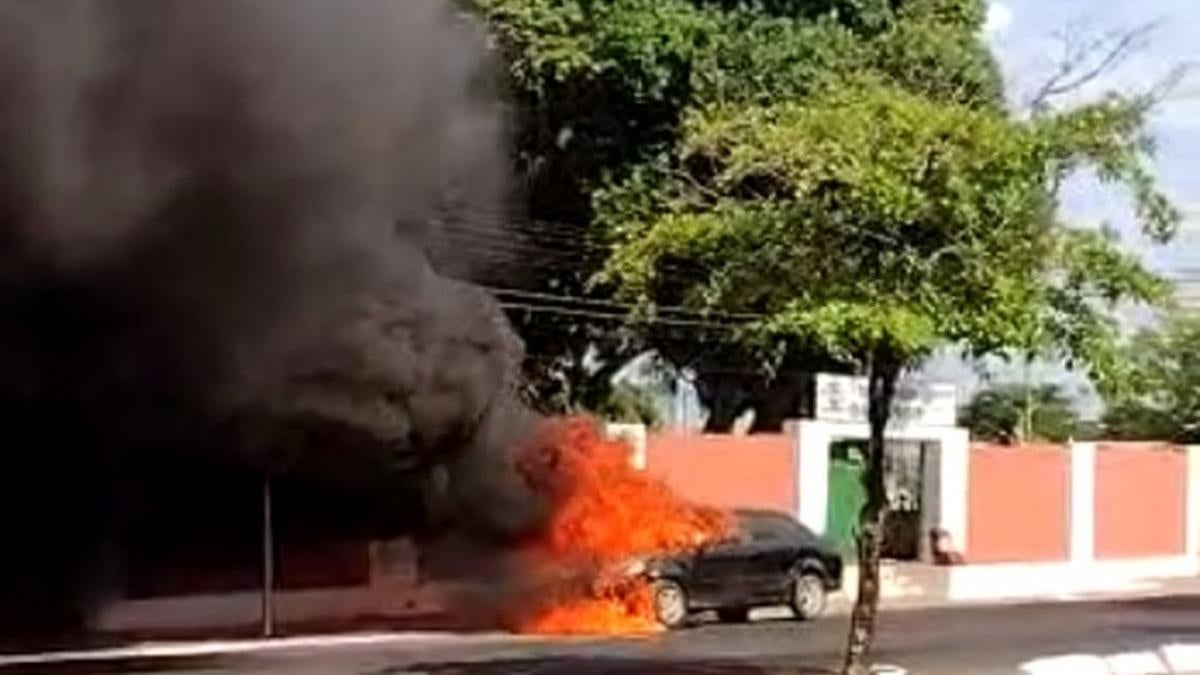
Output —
<point x="847" y="495"/>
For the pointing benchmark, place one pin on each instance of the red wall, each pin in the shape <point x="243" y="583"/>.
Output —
<point x="756" y="471"/>
<point x="1140" y="501"/>
<point x="1018" y="506"/>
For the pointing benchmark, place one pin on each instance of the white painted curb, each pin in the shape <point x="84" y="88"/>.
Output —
<point x="1169" y="659"/>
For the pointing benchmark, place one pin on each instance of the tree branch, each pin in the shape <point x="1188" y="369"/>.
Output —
<point x="1086" y="58"/>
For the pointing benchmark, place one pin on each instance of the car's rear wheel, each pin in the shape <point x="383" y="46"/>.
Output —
<point x="670" y="603"/>
<point x="808" y="595"/>
<point x="733" y="615"/>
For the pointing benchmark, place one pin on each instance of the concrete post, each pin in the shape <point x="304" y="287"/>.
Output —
<point x="945" y="487"/>
<point x="635" y="436"/>
<point x="1082" y="512"/>
<point x="954" y="467"/>
<point x="791" y="429"/>
<point x="812" y="450"/>
<point x="1192" y="519"/>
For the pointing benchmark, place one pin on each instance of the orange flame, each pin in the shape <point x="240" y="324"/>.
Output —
<point x="604" y="512"/>
<point x="629" y="611"/>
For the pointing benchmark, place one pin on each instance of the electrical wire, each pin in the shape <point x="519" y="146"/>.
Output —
<point x="623" y="318"/>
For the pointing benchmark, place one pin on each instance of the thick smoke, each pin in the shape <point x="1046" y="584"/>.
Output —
<point x="213" y="218"/>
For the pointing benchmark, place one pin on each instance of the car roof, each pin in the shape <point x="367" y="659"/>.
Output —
<point x="762" y="513"/>
<point x="767" y="515"/>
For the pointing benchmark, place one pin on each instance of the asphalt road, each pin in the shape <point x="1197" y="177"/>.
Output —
<point x="1128" y="636"/>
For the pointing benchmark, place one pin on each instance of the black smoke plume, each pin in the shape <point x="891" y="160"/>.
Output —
<point x="213" y="223"/>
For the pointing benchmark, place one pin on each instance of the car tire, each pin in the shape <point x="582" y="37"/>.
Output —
<point x="809" y="596"/>
<point x="670" y="603"/>
<point x="733" y="615"/>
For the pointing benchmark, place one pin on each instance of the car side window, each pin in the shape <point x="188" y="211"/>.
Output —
<point x="740" y="537"/>
<point x="765" y="531"/>
<point x="775" y="531"/>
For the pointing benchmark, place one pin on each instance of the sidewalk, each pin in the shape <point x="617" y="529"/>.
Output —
<point x="922" y="586"/>
<point x="906" y="585"/>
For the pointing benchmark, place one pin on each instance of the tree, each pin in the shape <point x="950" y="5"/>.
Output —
<point x="1021" y="413"/>
<point x="874" y="223"/>
<point x="600" y="91"/>
<point x="631" y="403"/>
<point x="1164" y="403"/>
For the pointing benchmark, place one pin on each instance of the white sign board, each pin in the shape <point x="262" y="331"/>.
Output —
<point x="842" y="398"/>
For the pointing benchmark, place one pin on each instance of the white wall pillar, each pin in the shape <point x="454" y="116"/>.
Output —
<point x="812" y="454"/>
<point x="954" y="480"/>
<point x="635" y="436"/>
<point x="945" y="488"/>
<point x="1192" y="519"/>
<point x="1082" y="512"/>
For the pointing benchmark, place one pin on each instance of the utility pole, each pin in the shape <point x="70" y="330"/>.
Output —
<point x="268" y="562"/>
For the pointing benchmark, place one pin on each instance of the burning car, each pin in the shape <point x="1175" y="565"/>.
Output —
<point x="769" y="560"/>
<point x="622" y="554"/>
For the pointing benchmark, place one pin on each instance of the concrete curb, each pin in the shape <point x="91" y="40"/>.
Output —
<point x="919" y="586"/>
<point x="841" y="604"/>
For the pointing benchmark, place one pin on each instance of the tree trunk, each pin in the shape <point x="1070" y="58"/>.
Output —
<point x="882" y="372"/>
<point x="725" y="397"/>
<point x="721" y="418"/>
<point x="786" y="398"/>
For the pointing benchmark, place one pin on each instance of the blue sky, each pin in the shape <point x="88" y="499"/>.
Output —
<point x="1025" y="35"/>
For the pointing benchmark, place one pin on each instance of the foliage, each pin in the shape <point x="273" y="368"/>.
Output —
<point x="630" y="403"/>
<point x="602" y="85"/>
<point x="869" y="218"/>
<point x="1164" y="401"/>
<point x="601" y="90"/>
<point x="1020" y="413"/>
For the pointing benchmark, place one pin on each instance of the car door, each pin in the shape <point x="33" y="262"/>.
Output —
<point x="778" y="543"/>
<point x="721" y="572"/>
<point x="773" y="553"/>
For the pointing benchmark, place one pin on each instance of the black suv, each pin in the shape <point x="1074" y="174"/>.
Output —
<point x="771" y="560"/>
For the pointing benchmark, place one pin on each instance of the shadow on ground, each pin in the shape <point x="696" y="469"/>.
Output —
<point x="1166" y="616"/>
<point x="605" y="666"/>
<point x="1169" y="603"/>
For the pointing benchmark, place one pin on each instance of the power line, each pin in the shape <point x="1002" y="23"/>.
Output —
<point x="552" y="359"/>
<point x="501" y="226"/>
<point x="568" y="311"/>
<point x="555" y="242"/>
<point x="572" y="249"/>
<point x="575" y="235"/>
<point x="670" y="309"/>
<point x="621" y="311"/>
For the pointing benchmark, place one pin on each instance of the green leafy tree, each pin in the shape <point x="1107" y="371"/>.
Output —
<point x="1164" y="403"/>
<point x="1018" y="413"/>
<point x="600" y="90"/>
<point x="873" y="224"/>
<point x="631" y="403"/>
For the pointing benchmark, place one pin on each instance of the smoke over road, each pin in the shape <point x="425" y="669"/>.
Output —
<point x="200" y="256"/>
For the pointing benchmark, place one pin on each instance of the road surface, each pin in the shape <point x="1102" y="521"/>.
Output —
<point x="1137" y="637"/>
